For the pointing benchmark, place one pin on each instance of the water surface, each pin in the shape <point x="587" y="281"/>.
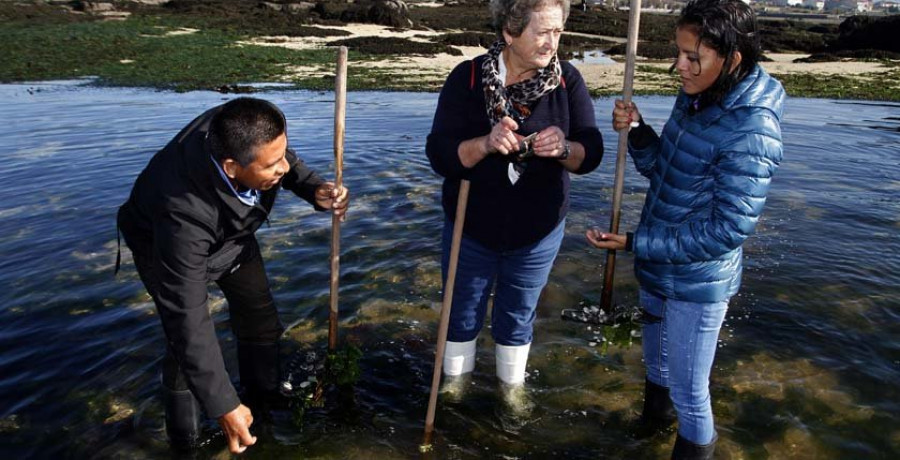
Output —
<point x="809" y="357"/>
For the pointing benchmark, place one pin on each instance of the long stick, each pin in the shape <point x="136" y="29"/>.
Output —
<point x="634" y="20"/>
<point x="445" y="309"/>
<point x="340" y="106"/>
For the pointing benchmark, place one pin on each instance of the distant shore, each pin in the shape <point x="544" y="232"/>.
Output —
<point x="652" y="76"/>
<point x="228" y="45"/>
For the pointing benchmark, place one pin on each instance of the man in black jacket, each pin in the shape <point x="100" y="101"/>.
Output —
<point x="191" y="219"/>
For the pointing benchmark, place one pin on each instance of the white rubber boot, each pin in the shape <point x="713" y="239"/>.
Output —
<point x="459" y="362"/>
<point x="459" y="358"/>
<point x="511" y="361"/>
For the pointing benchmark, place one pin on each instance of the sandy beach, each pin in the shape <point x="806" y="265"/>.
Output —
<point x="431" y="70"/>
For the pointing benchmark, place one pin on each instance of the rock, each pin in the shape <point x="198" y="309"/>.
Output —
<point x="300" y="7"/>
<point x="95" y="7"/>
<point x="392" y="13"/>
<point x="862" y="32"/>
<point x="271" y="6"/>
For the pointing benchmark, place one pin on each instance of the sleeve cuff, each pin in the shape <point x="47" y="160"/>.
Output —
<point x="642" y="136"/>
<point x="629" y="241"/>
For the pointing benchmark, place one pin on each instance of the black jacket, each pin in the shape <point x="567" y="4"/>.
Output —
<point x="500" y="215"/>
<point x="184" y="219"/>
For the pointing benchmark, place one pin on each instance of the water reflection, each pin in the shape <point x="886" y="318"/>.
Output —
<point x="804" y="355"/>
<point x="591" y="57"/>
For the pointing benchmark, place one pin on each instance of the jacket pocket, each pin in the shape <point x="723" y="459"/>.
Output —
<point x="227" y="258"/>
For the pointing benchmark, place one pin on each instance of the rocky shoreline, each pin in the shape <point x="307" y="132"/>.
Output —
<point x="200" y="44"/>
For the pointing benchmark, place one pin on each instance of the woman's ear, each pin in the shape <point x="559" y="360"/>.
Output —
<point x="735" y="61"/>
<point x="507" y="37"/>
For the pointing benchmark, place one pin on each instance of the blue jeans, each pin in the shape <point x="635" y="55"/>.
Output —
<point x="519" y="275"/>
<point x="679" y="348"/>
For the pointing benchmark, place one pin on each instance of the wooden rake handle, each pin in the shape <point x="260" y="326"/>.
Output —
<point x="458" y="224"/>
<point x="340" y="110"/>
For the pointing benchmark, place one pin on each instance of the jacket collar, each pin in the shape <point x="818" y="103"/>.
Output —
<point x="211" y="178"/>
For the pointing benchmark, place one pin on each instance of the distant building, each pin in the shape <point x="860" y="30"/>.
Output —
<point x="888" y="5"/>
<point x="817" y="5"/>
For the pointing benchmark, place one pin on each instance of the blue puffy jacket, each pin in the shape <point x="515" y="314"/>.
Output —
<point x="709" y="173"/>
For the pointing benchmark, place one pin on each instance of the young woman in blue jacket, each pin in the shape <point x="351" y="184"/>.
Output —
<point x="709" y="172"/>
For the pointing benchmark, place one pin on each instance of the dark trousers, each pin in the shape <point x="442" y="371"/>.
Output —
<point x="254" y="318"/>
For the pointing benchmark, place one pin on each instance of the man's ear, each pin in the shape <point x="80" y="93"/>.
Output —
<point x="736" y="61"/>
<point x="230" y="167"/>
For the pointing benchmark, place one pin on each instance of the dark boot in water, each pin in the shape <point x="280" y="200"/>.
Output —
<point x="658" y="413"/>
<point x="686" y="450"/>
<point x="259" y="370"/>
<point x="182" y="419"/>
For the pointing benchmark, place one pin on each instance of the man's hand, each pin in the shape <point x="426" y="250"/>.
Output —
<point x="236" y="425"/>
<point x="602" y="240"/>
<point x="329" y="197"/>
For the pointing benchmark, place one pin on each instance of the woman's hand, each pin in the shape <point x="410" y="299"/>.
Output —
<point x="503" y="138"/>
<point x="625" y="115"/>
<point x="550" y="143"/>
<point x="603" y="240"/>
<point x="330" y="197"/>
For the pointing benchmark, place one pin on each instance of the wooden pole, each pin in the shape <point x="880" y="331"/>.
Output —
<point x="445" y="309"/>
<point x="340" y="106"/>
<point x="634" y="20"/>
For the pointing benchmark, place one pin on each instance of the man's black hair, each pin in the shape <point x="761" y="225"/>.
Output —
<point x="725" y="26"/>
<point x="242" y="125"/>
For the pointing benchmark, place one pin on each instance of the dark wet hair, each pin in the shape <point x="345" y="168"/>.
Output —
<point x="242" y="125"/>
<point x="725" y="26"/>
<point x="514" y="15"/>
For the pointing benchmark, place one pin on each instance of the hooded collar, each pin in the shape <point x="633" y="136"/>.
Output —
<point x="757" y="89"/>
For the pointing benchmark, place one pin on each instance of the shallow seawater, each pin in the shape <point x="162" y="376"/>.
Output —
<point x="591" y="57"/>
<point x="808" y="362"/>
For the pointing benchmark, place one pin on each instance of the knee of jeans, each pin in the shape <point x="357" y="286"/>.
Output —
<point x="690" y="400"/>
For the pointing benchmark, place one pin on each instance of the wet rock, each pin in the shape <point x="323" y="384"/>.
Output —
<point x="481" y="39"/>
<point x="292" y="8"/>
<point x="866" y="32"/>
<point x="235" y="89"/>
<point x="393" y="45"/>
<point x="650" y="50"/>
<point x="300" y="7"/>
<point x="271" y="6"/>
<point x="392" y="13"/>
<point x="842" y="55"/>
<point x="94" y="7"/>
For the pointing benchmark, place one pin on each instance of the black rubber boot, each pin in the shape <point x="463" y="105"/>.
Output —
<point x="686" y="450"/>
<point x="182" y="419"/>
<point x="658" y="413"/>
<point x="259" y="370"/>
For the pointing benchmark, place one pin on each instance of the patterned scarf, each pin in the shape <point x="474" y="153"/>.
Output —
<point x="516" y="100"/>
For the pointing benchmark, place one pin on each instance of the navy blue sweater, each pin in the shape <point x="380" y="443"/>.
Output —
<point x="500" y="215"/>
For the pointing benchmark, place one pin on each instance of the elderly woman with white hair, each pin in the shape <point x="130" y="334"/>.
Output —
<point x="487" y="110"/>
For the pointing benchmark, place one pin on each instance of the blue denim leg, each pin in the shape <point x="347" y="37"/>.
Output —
<point x="692" y="330"/>
<point x="654" y="338"/>
<point x="522" y="276"/>
<point x="475" y="274"/>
